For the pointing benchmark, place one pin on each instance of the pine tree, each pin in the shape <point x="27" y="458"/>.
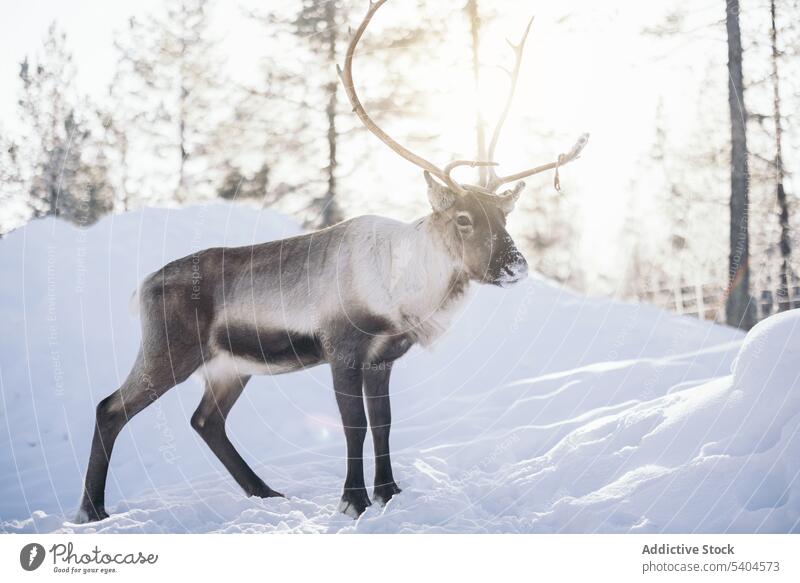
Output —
<point x="320" y="23"/>
<point x="166" y="98"/>
<point x="58" y="144"/>
<point x="259" y="142"/>
<point x="769" y="38"/>
<point x="739" y="308"/>
<point x="698" y="168"/>
<point x="326" y="126"/>
<point x="785" y="246"/>
<point x="117" y="158"/>
<point x="475" y="24"/>
<point x="12" y="186"/>
<point x="237" y="186"/>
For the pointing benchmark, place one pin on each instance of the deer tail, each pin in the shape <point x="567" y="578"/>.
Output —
<point x="133" y="303"/>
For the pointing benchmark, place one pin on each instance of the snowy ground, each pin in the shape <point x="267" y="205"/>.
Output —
<point x="541" y="411"/>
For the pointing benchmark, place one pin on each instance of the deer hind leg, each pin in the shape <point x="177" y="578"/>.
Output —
<point x="174" y="333"/>
<point x="147" y="381"/>
<point x="209" y="421"/>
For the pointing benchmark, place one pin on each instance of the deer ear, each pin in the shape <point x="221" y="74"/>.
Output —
<point x="440" y="197"/>
<point x="508" y="199"/>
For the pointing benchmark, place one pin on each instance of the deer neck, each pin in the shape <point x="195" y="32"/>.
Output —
<point x="428" y="279"/>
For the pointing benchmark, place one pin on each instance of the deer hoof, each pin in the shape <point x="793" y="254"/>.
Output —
<point x="354" y="502"/>
<point x="266" y="492"/>
<point x="85" y="516"/>
<point x="383" y="493"/>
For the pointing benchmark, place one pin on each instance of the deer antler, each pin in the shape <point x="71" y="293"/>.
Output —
<point x="471" y="163"/>
<point x="514" y="75"/>
<point x="493" y="181"/>
<point x="562" y="159"/>
<point x="349" y="87"/>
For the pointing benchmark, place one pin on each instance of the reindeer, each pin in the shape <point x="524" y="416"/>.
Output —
<point x="356" y="296"/>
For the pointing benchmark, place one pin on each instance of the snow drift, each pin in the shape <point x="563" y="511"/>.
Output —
<point x="540" y="411"/>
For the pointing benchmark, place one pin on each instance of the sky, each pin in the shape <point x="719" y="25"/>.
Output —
<point x="89" y="25"/>
<point x="587" y="68"/>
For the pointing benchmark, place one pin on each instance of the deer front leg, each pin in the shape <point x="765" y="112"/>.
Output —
<point x="376" y="389"/>
<point x="347" y="382"/>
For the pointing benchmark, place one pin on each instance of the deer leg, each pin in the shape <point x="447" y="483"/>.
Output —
<point x="376" y="390"/>
<point x="147" y="381"/>
<point x="347" y="383"/>
<point x="209" y="421"/>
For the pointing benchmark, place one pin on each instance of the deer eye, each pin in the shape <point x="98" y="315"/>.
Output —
<point x="463" y="221"/>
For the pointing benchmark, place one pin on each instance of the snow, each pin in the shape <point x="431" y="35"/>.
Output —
<point x="540" y="411"/>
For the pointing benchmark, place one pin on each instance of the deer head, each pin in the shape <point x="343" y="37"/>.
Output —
<point x="471" y="218"/>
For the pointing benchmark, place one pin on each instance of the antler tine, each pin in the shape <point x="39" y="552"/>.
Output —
<point x="349" y="88"/>
<point x="519" y="48"/>
<point x="562" y="159"/>
<point x="471" y="163"/>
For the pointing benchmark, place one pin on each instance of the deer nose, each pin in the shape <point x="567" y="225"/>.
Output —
<point x="514" y="271"/>
<point x="522" y="268"/>
<point x="519" y="269"/>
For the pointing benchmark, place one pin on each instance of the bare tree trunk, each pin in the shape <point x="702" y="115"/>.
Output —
<point x="783" y="206"/>
<point x="330" y="210"/>
<point x="53" y="198"/>
<point x="181" y="192"/>
<point x="480" y="130"/>
<point x="329" y="202"/>
<point x="124" y="178"/>
<point x="182" y="144"/>
<point x="184" y="93"/>
<point x="739" y="311"/>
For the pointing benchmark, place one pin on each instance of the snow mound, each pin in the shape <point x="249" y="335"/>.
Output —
<point x="541" y="410"/>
